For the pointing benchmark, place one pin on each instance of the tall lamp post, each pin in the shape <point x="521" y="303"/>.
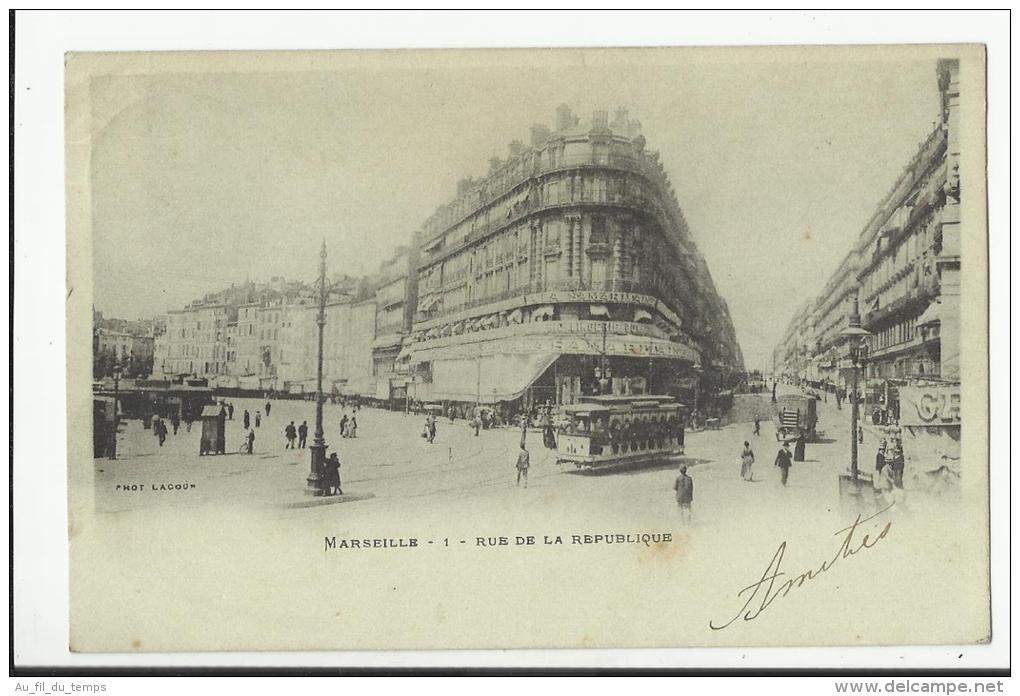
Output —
<point x="116" y="410"/>
<point x="316" y="478"/>
<point x="855" y="336"/>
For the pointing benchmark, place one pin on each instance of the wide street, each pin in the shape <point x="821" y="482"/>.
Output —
<point x="390" y="460"/>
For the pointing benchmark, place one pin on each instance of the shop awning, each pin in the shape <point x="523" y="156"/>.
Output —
<point x="487" y="379"/>
<point x="931" y="315"/>
<point x="515" y="317"/>
<point x="641" y="315"/>
<point x="598" y="310"/>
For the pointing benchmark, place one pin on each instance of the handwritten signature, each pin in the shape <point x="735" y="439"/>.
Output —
<point x="767" y="585"/>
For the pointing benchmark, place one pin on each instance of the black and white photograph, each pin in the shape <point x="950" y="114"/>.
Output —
<point x="527" y="349"/>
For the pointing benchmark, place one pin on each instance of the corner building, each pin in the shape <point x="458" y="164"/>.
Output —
<point x="568" y="270"/>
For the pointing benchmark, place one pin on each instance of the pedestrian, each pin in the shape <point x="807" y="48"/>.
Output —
<point x="258" y="419"/>
<point x="269" y="407"/>
<point x="352" y="427"/>
<point x="799" y="448"/>
<point x="291" y="432"/>
<point x="302" y="432"/>
<point x="523" y="463"/>
<point x="175" y="420"/>
<point x="746" y="460"/>
<point x="476" y="424"/>
<point x="247" y="419"/>
<point x="783" y="461"/>
<point x="431" y="428"/>
<point x="757" y="425"/>
<point x="860" y="435"/>
<point x="230" y="411"/>
<point x="879" y="459"/>
<point x="684" y="487"/>
<point x="896" y="461"/>
<point x="251" y="440"/>
<point x="332" y="476"/>
<point x="343" y="426"/>
<point x="161" y="432"/>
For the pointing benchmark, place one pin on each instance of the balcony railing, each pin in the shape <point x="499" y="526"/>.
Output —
<point x="631" y="286"/>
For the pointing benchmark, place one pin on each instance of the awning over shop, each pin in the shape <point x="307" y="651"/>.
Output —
<point x="641" y="316"/>
<point x="515" y="317"/>
<point x="598" y="310"/>
<point x="931" y="315"/>
<point x="488" y="378"/>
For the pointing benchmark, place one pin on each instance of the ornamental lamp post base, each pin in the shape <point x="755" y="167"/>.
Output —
<point x="856" y="494"/>
<point x="316" y="482"/>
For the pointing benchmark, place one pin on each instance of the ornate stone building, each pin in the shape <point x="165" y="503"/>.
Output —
<point x="571" y="256"/>
<point x="904" y="269"/>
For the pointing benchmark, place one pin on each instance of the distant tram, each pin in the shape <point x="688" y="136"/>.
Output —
<point x="604" y="431"/>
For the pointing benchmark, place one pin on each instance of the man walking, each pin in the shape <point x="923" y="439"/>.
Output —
<point x="251" y="440"/>
<point x="523" y="463"/>
<point x="302" y="432"/>
<point x="784" y="462"/>
<point x="247" y="419"/>
<point x="269" y="407"/>
<point x="291" y="432"/>
<point x="684" y="487"/>
<point x="757" y="425"/>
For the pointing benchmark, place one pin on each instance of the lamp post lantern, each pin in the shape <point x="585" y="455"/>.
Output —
<point x="316" y="479"/>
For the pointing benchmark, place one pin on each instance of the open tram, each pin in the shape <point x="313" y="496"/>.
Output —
<point x="604" y="431"/>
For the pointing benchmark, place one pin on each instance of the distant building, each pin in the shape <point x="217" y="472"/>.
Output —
<point x="904" y="269"/>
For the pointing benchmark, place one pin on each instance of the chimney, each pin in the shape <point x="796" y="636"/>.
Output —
<point x="539" y="135"/>
<point x="621" y="120"/>
<point x="564" y="117"/>
<point x="464" y="185"/>
<point x="600" y="120"/>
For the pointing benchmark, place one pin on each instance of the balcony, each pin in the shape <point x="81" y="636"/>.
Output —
<point x="630" y="286"/>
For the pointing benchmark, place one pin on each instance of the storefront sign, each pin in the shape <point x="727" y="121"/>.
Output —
<point x="929" y="406"/>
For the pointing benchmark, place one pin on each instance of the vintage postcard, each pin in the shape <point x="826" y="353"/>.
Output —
<point x="558" y="348"/>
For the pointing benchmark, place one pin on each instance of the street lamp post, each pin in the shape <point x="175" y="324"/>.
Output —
<point x="116" y="410"/>
<point x="851" y="486"/>
<point x="316" y="479"/>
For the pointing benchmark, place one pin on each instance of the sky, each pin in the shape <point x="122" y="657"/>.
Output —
<point x="200" y="179"/>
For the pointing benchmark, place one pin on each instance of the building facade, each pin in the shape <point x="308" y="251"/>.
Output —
<point x="904" y="272"/>
<point x="568" y="270"/>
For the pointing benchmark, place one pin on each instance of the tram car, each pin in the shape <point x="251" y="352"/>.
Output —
<point x="605" y="431"/>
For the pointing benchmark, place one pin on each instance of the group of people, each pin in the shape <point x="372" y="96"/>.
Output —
<point x="349" y="426"/>
<point x="298" y="434"/>
<point x="429" y="433"/>
<point x="784" y="460"/>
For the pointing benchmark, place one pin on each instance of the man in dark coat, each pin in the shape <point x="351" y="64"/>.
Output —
<point x="783" y="461"/>
<point x="302" y="433"/>
<point x="247" y="419"/>
<point x="684" y="487"/>
<point x="291" y="433"/>
<point x="269" y="407"/>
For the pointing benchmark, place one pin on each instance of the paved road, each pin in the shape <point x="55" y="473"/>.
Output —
<point x="390" y="460"/>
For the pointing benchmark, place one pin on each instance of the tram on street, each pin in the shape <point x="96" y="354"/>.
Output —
<point x="606" y="431"/>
